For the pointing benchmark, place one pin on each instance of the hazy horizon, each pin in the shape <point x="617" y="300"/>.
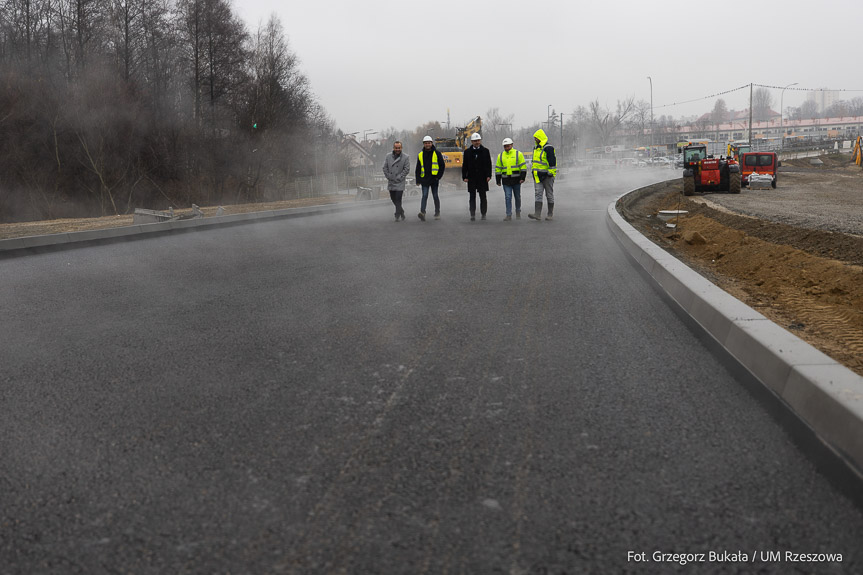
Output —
<point x="377" y="65"/>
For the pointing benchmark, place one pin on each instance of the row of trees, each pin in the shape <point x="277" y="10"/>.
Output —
<point x="108" y="105"/>
<point x="808" y="110"/>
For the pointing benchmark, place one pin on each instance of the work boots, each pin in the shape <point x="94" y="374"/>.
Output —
<point x="537" y="215"/>
<point x="550" y="214"/>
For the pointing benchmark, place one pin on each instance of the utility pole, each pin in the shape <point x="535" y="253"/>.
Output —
<point x="750" y="116"/>
<point x="561" y="136"/>
<point x="651" y="117"/>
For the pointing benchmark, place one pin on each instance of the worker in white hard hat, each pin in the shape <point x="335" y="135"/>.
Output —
<point x="429" y="171"/>
<point x="511" y="170"/>
<point x="476" y="171"/>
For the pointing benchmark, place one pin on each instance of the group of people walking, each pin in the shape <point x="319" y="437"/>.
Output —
<point x="510" y="171"/>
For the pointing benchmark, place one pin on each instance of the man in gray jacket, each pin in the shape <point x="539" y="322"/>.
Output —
<point x="397" y="166"/>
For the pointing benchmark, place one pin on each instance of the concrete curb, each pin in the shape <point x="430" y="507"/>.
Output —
<point x="70" y="239"/>
<point x="824" y="394"/>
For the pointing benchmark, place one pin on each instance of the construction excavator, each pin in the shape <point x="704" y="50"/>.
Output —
<point x="453" y="149"/>
<point x="858" y="151"/>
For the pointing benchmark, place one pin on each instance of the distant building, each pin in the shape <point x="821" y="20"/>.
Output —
<point x="356" y="154"/>
<point x="773" y="129"/>
<point x="823" y="99"/>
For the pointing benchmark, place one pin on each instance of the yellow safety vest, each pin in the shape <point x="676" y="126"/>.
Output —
<point x="509" y="163"/>
<point x="540" y="164"/>
<point x="434" y="167"/>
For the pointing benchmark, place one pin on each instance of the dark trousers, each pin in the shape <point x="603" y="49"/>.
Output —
<point x="434" y="187"/>
<point x="483" y="199"/>
<point x="396" y="197"/>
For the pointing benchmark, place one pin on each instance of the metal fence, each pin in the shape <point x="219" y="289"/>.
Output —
<point x="322" y="185"/>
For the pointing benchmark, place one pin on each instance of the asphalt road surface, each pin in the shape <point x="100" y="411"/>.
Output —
<point x="346" y="394"/>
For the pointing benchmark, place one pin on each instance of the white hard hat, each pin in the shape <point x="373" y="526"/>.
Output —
<point x="507" y="141"/>
<point x="428" y="139"/>
<point x="475" y="137"/>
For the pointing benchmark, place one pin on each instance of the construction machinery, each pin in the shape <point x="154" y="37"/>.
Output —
<point x="452" y="149"/>
<point x="858" y="151"/>
<point x="703" y="172"/>
<point x="738" y="147"/>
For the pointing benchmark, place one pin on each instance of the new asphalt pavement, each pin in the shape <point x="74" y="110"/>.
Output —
<point x="339" y="393"/>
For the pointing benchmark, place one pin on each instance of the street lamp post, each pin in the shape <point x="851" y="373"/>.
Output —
<point x="650" y="154"/>
<point x="781" y="116"/>
<point x="561" y="137"/>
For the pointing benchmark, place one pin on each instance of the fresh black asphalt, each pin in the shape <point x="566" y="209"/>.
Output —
<point x="346" y="394"/>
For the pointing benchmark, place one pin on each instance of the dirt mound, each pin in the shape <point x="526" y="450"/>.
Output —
<point x="809" y="281"/>
<point x="828" y="162"/>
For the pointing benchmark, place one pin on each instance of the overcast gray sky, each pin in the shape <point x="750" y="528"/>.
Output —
<point x="379" y="64"/>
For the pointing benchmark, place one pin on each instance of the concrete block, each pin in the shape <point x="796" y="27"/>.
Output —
<point x="39" y="241"/>
<point x="89" y="235"/>
<point x="11" y="244"/>
<point x="676" y="280"/>
<point x="716" y="311"/>
<point x="769" y="351"/>
<point x="830" y="399"/>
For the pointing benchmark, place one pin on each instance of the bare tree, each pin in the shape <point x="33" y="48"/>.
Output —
<point x="604" y="122"/>
<point x="808" y="110"/>
<point x="702" y="124"/>
<point x="762" y="102"/>
<point x="496" y="127"/>
<point x="838" y="110"/>
<point x="639" y="121"/>
<point x="18" y="23"/>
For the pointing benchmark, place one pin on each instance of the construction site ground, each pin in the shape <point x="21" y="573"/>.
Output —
<point x="794" y="253"/>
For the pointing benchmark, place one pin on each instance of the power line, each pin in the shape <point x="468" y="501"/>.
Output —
<point x="703" y="98"/>
<point x="745" y="86"/>
<point x="808" y="89"/>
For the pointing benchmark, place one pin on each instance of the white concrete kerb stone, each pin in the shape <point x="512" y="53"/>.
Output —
<point x="824" y="394"/>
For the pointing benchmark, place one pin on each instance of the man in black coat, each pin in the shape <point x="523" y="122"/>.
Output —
<point x="476" y="171"/>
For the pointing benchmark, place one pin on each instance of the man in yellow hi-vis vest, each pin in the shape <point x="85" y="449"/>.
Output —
<point x="511" y="170"/>
<point x="544" y="170"/>
<point x="429" y="171"/>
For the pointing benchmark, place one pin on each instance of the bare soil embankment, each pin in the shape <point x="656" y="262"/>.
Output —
<point x="794" y="253"/>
